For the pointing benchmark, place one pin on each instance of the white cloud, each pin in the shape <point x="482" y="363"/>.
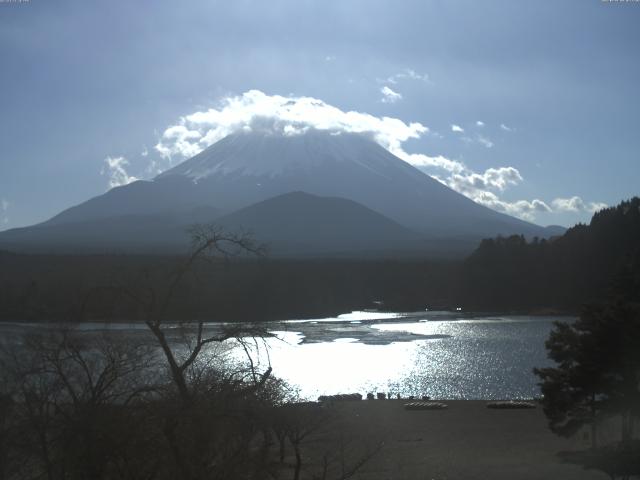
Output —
<point x="492" y="178"/>
<point x="484" y="141"/>
<point x="426" y="162"/>
<point x="479" y="139"/>
<point x="573" y="204"/>
<point x="505" y="128"/>
<point x="116" y="170"/>
<point x="457" y="128"/>
<point x="483" y="187"/>
<point x="145" y="151"/>
<point x="576" y="204"/>
<point x="480" y="123"/>
<point x="329" y="58"/>
<point x="4" y="208"/>
<point x="184" y="141"/>
<point x="389" y="96"/>
<point x="254" y="110"/>
<point x="597" y="206"/>
<point x="292" y="130"/>
<point x="406" y="74"/>
<point x="523" y="209"/>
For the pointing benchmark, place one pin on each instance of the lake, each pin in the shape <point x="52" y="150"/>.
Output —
<point x="440" y="354"/>
<point x="444" y="355"/>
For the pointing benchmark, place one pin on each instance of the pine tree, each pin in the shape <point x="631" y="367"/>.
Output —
<point x="598" y="369"/>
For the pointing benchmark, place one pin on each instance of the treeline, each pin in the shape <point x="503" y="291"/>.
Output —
<point x="562" y="273"/>
<point x="97" y="288"/>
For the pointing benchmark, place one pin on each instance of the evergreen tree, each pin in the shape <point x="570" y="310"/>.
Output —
<point x="598" y="369"/>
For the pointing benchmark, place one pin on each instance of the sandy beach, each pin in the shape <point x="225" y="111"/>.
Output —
<point x="465" y="441"/>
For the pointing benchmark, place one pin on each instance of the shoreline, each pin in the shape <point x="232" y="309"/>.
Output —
<point x="462" y="442"/>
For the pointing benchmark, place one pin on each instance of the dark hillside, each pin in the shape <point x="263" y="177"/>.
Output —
<point x="564" y="272"/>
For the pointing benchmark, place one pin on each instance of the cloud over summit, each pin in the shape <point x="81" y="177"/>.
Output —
<point x="255" y="110"/>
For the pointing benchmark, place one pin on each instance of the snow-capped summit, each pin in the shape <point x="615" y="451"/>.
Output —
<point x="271" y="154"/>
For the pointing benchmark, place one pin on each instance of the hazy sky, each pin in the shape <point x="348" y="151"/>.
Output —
<point x="532" y="107"/>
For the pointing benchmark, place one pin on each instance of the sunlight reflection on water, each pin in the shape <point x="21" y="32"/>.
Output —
<point x="483" y="358"/>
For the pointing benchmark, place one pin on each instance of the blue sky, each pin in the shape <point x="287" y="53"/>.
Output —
<point x="531" y="107"/>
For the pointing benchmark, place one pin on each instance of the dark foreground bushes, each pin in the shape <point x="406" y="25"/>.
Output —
<point x="87" y="406"/>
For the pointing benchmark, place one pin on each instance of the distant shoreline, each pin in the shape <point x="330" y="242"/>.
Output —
<point x="544" y="312"/>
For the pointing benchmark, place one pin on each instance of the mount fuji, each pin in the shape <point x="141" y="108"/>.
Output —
<point x="352" y="197"/>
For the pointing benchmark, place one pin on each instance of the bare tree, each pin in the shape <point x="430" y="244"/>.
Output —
<point x="210" y="243"/>
<point x="70" y="402"/>
<point x="208" y="431"/>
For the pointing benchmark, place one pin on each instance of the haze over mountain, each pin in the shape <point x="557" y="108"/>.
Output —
<point x="245" y="168"/>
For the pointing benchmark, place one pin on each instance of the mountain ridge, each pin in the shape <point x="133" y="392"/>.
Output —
<point x="247" y="168"/>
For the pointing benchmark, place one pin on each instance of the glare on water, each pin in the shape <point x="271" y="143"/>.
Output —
<point x="452" y="358"/>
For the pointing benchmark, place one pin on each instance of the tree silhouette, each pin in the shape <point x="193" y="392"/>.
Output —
<point x="598" y="369"/>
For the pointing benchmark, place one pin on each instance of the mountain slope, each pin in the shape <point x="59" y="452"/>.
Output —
<point x="142" y="233"/>
<point x="247" y="167"/>
<point x="250" y="167"/>
<point x="298" y="223"/>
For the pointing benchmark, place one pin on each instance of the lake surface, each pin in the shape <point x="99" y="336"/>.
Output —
<point x="440" y="354"/>
<point x="444" y="355"/>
